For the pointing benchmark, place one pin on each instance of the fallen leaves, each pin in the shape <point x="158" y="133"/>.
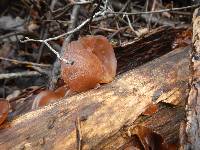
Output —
<point x="183" y="39"/>
<point x="145" y="138"/>
<point x="4" y="110"/>
<point x="153" y="108"/>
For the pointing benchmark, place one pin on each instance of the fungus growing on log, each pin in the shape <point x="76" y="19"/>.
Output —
<point x="94" y="63"/>
<point x="47" y="96"/>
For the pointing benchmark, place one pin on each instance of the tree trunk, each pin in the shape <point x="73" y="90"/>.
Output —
<point x="192" y="107"/>
<point x="94" y="119"/>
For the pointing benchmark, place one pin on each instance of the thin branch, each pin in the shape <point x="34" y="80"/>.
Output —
<point x="82" y="3"/>
<point x="24" y="62"/>
<point x="151" y="15"/>
<point x="19" y="74"/>
<point x="131" y="27"/>
<point x="73" y="20"/>
<point x="64" y="34"/>
<point x="56" y="66"/>
<point x="45" y="41"/>
<point x="71" y="4"/>
<point x="78" y="134"/>
<point x="15" y="33"/>
<point x="105" y="29"/>
<point x="49" y="46"/>
<point x="57" y="54"/>
<point x="70" y="32"/>
<point x="44" y="32"/>
<point x="97" y="16"/>
<point x="152" y="12"/>
<point x="95" y="10"/>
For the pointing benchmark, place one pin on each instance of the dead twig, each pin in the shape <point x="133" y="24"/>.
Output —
<point x="102" y="17"/>
<point x="104" y="29"/>
<point x="49" y="46"/>
<point x="95" y="10"/>
<point x="56" y="67"/>
<point x="19" y="75"/>
<point x="152" y="12"/>
<point x="82" y="2"/>
<point x="72" y="31"/>
<point x="24" y="62"/>
<point x="161" y="21"/>
<point x="15" y="33"/>
<point x="151" y="15"/>
<point x="78" y="134"/>
<point x="44" y="32"/>
<point x="67" y="40"/>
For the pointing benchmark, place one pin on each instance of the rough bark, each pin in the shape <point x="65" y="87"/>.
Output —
<point x="104" y="111"/>
<point x="192" y="107"/>
<point x="156" y="43"/>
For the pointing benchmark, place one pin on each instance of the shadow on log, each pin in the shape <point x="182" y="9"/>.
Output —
<point x="105" y="111"/>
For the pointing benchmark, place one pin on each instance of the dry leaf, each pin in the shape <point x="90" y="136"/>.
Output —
<point x="149" y="139"/>
<point x="153" y="108"/>
<point x="4" y="109"/>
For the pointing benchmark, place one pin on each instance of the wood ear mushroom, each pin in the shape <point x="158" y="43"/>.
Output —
<point x="48" y="96"/>
<point x="94" y="62"/>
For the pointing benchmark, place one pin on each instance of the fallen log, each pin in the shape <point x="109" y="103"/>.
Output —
<point x="156" y="43"/>
<point x="88" y="119"/>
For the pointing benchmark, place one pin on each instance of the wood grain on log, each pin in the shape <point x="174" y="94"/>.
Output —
<point x="104" y="111"/>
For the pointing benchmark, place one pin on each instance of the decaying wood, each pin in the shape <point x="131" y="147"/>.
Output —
<point x="192" y="107"/>
<point x="165" y="122"/>
<point x="104" y="111"/>
<point x="156" y="43"/>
